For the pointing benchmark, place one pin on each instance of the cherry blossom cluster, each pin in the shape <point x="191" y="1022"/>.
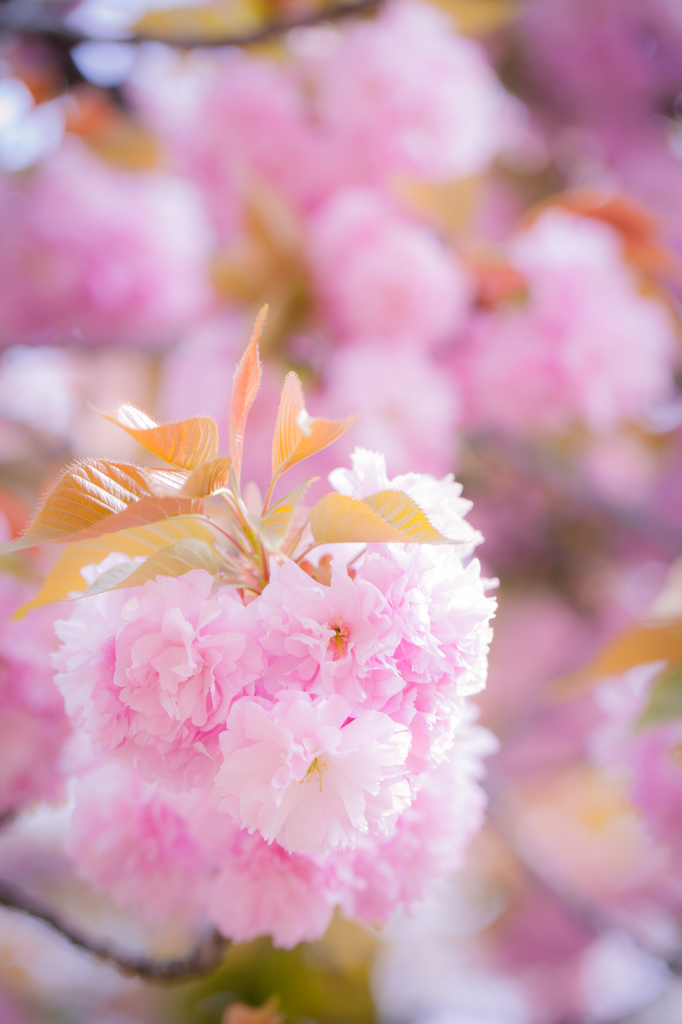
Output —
<point x="308" y="749"/>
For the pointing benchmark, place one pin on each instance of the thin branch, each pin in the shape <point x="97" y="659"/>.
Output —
<point x="18" y="17"/>
<point x="206" y="957"/>
<point x="7" y="817"/>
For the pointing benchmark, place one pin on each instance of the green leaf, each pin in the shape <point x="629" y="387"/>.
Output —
<point x="666" y="699"/>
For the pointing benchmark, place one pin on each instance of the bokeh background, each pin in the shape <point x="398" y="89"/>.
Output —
<point x="466" y="217"/>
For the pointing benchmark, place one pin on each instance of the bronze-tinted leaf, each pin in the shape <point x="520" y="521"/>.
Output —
<point x="86" y="494"/>
<point x="146" y="510"/>
<point x="338" y="518"/>
<point x="65" y="576"/>
<point x="298" y="435"/>
<point x="287" y="432"/>
<point x="208" y="478"/>
<point x="247" y="379"/>
<point x="164" y="481"/>
<point x="640" y="645"/>
<point x="184" y="444"/>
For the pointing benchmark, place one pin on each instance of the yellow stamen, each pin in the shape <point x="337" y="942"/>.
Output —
<point x="319" y="765"/>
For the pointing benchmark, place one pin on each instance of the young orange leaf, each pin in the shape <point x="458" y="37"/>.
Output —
<point x="84" y="494"/>
<point x="185" y="444"/>
<point x="139" y="513"/>
<point x="287" y="432"/>
<point x="173" y="560"/>
<point x="298" y="435"/>
<point x="207" y="479"/>
<point x="338" y="518"/>
<point x="65" y="576"/>
<point x="164" y="481"/>
<point x="247" y="379"/>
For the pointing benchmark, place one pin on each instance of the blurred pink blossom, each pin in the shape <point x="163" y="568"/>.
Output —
<point x="357" y="111"/>
<point x="151" y="673"/>
<point x="404" y="93"/>
<point x="408" y="408"/>
<point x="430" y="837"/>
<point x="260" y="889"/>
<point x="33" y="725"/>
<point x="381" y="275"/>
<point x="606" y="61"/>
<point x="584" y="346"/>
<point x="129" y="841"/>
<point x="99" y="256"/>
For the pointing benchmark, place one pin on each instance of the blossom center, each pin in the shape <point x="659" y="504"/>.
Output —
<point x="339" y="642"/>
<point x="319" y="765"/>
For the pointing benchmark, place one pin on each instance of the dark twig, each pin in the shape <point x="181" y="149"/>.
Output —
<point x="207" y="956"/>
<point x="18" y="17"/>
<point x="7" y="817"/>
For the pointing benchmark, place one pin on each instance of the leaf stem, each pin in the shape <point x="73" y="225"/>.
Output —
<point x="307" y="550"/>
<point x="221" y="529"/>
<point x="271" y="488"/>
<point x="359" y="555"/>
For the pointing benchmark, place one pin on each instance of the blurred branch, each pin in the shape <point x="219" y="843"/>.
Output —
<point x="7" y="817"/>
<point x="203" y="959"/>
<point x="20" y="18"/>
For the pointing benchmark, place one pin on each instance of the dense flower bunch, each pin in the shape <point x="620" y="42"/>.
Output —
<point x="290" y="734"/>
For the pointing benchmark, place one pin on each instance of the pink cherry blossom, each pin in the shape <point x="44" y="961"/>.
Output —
<point x="305" y="775"/>
<point x="408" y="407"/>
<point x="33" y="725"/>
<point x="441" y="500"/>
<point x="380" y="274"/>
<point x="131" y="842"/>
<point x="444" y="615"/>
<point x="260" y="889"/>
<point x="584" y="347"/>
<point x="264" y="139"/>
<point x="151" y="673"/>
<point x="335" y="639"/>
<point x="591" y="62"/>
<point x="647" y="756"/>
<point x="437" y="601"/>
<point x="95" y="255"/>
<point x="430" y="837"/>
<point x="404" y="93"/>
